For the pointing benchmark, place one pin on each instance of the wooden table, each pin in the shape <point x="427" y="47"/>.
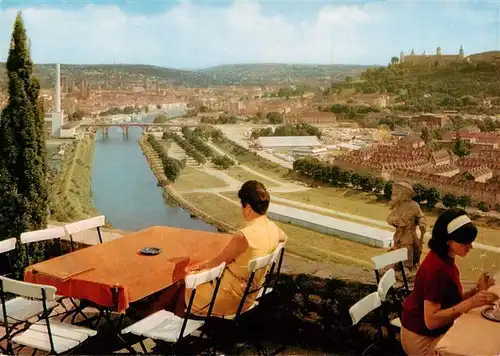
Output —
<point x="116" y="273"/>
<point x="472" y="334"/>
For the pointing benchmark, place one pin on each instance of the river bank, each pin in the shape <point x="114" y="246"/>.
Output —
<point x="170" y="193"/>
<point x="71" y="194"/>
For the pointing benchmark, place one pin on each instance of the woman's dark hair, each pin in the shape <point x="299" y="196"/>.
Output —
<point x="465" y="234"/>
<point x="255" y="194"/>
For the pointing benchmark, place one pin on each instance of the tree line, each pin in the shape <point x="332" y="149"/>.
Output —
<point x="128" y="110"/>
<point x="196" y="141"/>
<point x="221" y="120"/>
<point x="300" y="129"/>
<point x="171" y="166"/>
<point x="196" y="137"/>
<point x="183" y="143"/>
<point x="338" y="177"/>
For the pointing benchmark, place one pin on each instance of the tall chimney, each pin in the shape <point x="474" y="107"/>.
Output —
<point x="58" y="88"/>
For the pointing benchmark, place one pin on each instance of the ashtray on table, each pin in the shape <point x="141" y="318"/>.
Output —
<point x="151" y="251"/>
<point x="491" y="313"/>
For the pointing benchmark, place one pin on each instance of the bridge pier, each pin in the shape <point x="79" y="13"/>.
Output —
<point x="105" y="132"/>
<point x="125" y="130"/>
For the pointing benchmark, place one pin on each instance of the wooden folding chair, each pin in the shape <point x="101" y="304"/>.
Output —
<point x="46" y="335"/>
<point x="166" y="326"/>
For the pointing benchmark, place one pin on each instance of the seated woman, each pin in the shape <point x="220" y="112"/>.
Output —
<point x="258" y="238"/>
<point x="437" y="299"/>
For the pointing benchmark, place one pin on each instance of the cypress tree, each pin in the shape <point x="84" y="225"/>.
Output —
<point x="23" y="166"/>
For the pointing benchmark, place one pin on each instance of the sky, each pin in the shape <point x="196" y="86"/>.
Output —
<point x="203" y="33"/>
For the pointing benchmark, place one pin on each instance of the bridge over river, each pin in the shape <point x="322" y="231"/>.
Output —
<point x="149" y="126"/>
<point x="145" y="126"/>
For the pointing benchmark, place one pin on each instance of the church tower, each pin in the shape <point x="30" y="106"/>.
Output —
<point x="438" y="51"/>
<point x="461" y="53"/>
<point x="401" y="57"/>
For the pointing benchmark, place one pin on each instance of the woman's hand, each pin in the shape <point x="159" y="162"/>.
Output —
<point x="483" y="298"/>
<point x="196" y="267"/>
<point x="485" y="282"/>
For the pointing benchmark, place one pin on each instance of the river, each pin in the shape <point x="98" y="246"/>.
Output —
<point x="125" y="190"/>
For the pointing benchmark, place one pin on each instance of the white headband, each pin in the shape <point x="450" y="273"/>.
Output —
<point x="458" y="223"/>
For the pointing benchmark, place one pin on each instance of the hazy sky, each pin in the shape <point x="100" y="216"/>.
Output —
<point x="201" y="33"/>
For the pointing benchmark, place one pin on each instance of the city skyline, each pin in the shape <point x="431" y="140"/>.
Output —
<point x="202" y="34"/>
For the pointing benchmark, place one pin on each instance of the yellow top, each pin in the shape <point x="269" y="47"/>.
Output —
<point x="263" y="237"/>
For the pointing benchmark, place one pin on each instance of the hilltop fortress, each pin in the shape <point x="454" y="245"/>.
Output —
<point x="443" y="60"/>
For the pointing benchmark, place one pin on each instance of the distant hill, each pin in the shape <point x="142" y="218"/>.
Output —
<point x="456" y="87"/>
<point x="278" y="73"/>
<point x="115" y="75"/>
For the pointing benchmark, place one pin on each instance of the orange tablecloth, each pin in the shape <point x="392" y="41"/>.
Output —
<point x="92" y="272"/>
<point x="471" y="334"/>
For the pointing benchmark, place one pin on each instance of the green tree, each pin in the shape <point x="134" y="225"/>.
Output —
<point x="379" y="184"/>
<point x="483" y="207"/>
<point x="432" y="197"/>
<point x="464" y="201"/>
<point x="222" y="162"/>
<point x="461" y="148"/>
<point x="23" y="169"/>
<point x="450" y="201"/>
<point x="394" y="60"/>
<point x="388" y="190"/>
<point x="420" y="193"/>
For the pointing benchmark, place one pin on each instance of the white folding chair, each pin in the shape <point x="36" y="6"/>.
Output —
<point x="388" y="281"/>
<point x="364" y="307"/>
<point x="6" y="247"/>
<point x="254" y="266"/>
<point x="394" y="257"/>
<point x="54" y="233"/>
<point x="165" y="325"/>
<point x="83" y="225"/>
<point x="20" y="310"/>
<point x="45" y="335"/>
<point x="277" y="263"/>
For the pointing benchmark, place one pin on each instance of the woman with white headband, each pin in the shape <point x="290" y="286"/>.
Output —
<point x="437" y="298"/>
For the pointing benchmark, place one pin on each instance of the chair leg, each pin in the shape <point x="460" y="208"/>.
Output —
<point x="143" y="347"/>
<point x="369" y="347"/>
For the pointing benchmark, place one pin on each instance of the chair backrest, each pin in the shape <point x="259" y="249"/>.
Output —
<point x="261" y="262"/>
<point x="86" y="224"/>
<point x="390" y="258"/>
<point x="386" y="282"/>
<point x="43" y="235"/>
<point x="255" y="265"/>
<point x="83" y="225"/>
<point x="27" y="290"/>
<point x="8" y="245"/>
<point x="194" y="280"/>
<point x="365" y="306"/>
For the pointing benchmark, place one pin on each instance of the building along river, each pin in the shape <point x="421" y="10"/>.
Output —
<point x="125" y="190"/>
